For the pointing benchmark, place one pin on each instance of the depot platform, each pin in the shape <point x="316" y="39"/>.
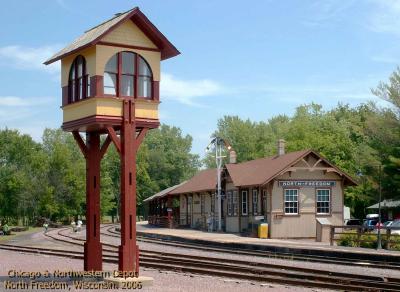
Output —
<point x="289" y="246"/>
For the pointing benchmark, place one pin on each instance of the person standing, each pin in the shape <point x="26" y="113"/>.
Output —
<point x="73" y="225"/>
<point x="6" y="229"/>
<point x="79" y="225"/>
<point x="46" y="227"/>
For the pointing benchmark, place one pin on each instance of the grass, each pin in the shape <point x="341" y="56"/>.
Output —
<point x="13" y="235"/>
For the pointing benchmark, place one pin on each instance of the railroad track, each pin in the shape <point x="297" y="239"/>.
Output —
<point x="288" y="256"/>
<point x="237" y="269"/>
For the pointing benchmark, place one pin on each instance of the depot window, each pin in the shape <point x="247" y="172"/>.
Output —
<point x="323" y="201"/>
<point x="244" y="203"/>
<point x="291" y="201"/>
<point x="255" y="202"/>
<point x="229" y="195"/>
<point x="78" y="82"/>
<point x="128" y="74"/>
<point x="235" y="203"/>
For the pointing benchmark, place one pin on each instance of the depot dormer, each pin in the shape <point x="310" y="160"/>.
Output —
<point x="115" y="60"/>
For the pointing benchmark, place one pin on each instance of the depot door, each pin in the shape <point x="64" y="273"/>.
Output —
<point x="189" y="210"/>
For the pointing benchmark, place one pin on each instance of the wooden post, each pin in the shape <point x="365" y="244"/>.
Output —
<point x="128" y="251"/>
<point x="169" y="213"/>
<point x="332" y="235"/>
<point x="92" y="246"/>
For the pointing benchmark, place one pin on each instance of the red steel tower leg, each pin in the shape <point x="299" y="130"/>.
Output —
<point x="93" y="247"/>
<point x="128" y="251"/>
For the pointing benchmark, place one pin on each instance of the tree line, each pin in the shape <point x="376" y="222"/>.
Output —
<point x="47" y="178"/>
<point x="360" y="140"/>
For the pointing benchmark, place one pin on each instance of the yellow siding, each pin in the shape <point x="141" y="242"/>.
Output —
<point x="104" y="53"/>
<point x="107" y="107"/>
<point x="79" y="110"/>
<point x="146" y="109"/>
<point x="97" y="56"/>
<point x="128" y="33"/>
<point x="90" y="57"/>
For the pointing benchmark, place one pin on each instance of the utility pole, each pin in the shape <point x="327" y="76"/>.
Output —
<point x="379" y="246"/>
<point x="219" y="143"/>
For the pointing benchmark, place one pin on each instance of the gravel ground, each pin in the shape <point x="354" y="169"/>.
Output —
<point x="163" y="281"/>
<point x="312" y="265"/>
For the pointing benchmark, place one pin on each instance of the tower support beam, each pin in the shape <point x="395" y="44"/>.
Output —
<point x="128" y="250"/>
<point x="93" y="246"/>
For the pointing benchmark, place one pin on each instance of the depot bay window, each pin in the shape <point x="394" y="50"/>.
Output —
<point x="323" y="201"/>
<point x="128" y="74"/>
<point x="291" y="201"/>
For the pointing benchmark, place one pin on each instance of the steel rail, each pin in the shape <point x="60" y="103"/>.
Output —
<point x="224" y="270"/>
<point x="253" y="271"/>
<point x="287" y="256"/>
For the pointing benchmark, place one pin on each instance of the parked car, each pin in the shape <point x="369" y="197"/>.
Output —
<point x="395" y="224"/>
<point x="369" y="224"/>
<point x="388" y="223"/>
<point x="353" y="222"/>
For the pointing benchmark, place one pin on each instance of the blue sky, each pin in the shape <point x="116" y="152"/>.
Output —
<point x="255" y="59"/>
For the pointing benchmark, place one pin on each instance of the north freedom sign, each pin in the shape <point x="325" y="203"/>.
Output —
<point x="307" y="183"/>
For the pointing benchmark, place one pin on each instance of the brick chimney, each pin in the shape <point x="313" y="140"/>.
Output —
<point x="232" y="156"/>
<point x="281" y="147"/>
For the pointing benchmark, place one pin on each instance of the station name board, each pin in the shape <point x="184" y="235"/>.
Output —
<point x="307" y="183"/>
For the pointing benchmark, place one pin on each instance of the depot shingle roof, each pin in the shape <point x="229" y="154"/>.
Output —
<point x="204" y="180"/>
<point x="163" y="193"/>
<point x="95" y="34"/>
<point x="260" y="171"/>
<point x="263" y="170"/>
<point x="250" y="173"/>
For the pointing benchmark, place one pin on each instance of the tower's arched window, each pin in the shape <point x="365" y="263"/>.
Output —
<point x="128" y="74"/>
<point x="78" y="85"/>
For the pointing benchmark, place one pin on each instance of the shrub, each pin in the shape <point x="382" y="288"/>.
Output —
<point x="368" y="240"/>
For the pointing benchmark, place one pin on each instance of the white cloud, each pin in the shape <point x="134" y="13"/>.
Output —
<point x="62" y="4"/>
<point x="28" y="58"/>
<point x="327" y="12"/>
<point x="14" y="109"/>
<point x="186" y="91"/>
<point x="385" y="17"/>
<point x="318" y="90"/>
<point x="15" y="101"/>
<point x="12" y="101"/>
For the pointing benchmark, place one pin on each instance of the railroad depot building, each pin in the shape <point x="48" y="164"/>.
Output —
<point x="289" y="191"/>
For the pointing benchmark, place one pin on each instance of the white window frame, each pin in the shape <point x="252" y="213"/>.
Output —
<point x="329" y="202"/>
<point x="235" y="197"/>
<point x="229" y="203"/>
<point x="285" y="201"/>
<point x="255" y="201"/>
<point x="264" y="201"/>
<point x="202" y="204"/>
<point x="245" y="203"/>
